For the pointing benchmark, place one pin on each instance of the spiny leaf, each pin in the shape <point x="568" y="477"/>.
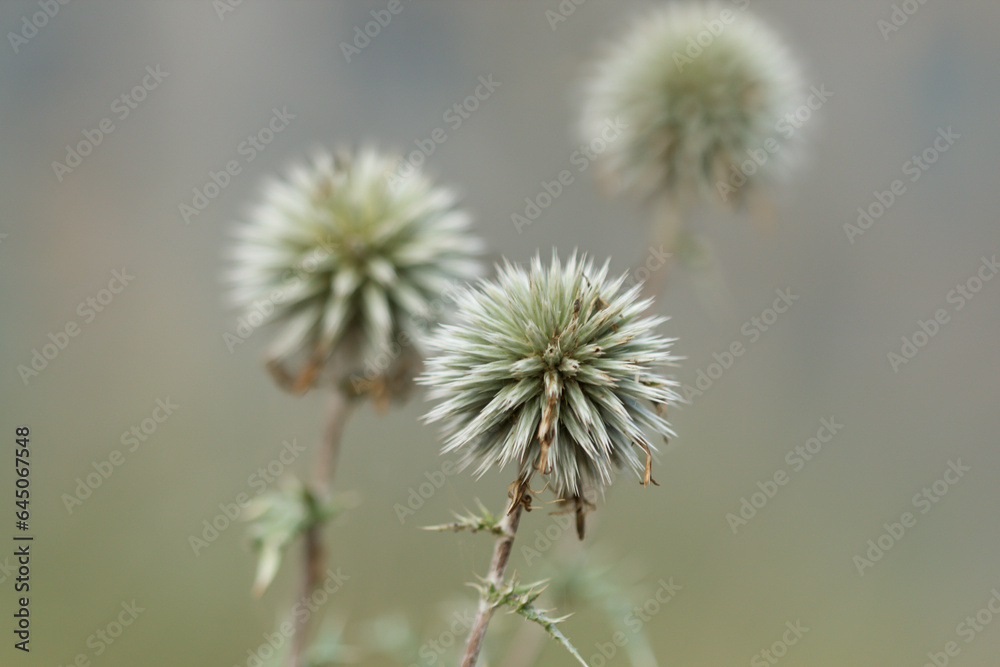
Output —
<point x="277" y="518"/>
<point x="485" y="520"/>
<point x="520" y="598"/>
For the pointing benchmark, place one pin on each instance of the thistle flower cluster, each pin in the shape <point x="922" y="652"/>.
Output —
<point x="552" y="369"/>
<point x="351" y="268"/>
<point x="696" y="87"/>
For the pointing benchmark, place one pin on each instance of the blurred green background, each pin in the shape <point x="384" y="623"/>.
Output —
<point x="162" y="336"/>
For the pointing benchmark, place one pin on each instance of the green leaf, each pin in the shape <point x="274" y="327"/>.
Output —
<point x="474" y="522"/>
<point x="520" y="598"/>
<point x="277" y="518"/>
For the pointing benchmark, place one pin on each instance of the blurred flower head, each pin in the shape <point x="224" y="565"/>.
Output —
<point x="552" y="369"/>
<point x="354" y="263"/>
<point x="696" y="86"/>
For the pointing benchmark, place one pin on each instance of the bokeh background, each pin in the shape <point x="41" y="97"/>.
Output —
<point x="162" y="336"/>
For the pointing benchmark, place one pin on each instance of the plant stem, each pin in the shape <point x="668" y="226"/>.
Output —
<point x="501" y="553"/>
<point x="666" y="226"/>
<point x="337" y="411"/>
<point x="311" y="576"/>
<point x="529" y="641"/>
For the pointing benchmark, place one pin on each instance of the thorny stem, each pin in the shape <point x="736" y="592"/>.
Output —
<point x="501" y="553"/>
<point x="337" y="411"/>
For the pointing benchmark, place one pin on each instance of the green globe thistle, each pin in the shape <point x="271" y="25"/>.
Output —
<point x="553" y="370"/>
<point x="695" y="87"/>
<point x="354" y="264"/>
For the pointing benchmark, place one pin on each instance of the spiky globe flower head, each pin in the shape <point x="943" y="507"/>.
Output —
<point x="552" y="369"/>
<point x="694" y="87"/>
<point x="354" y="263"/>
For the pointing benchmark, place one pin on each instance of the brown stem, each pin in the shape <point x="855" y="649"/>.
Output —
<point x="501" y="553"/>
<point x="311" y="575"/>
<point x="666" y="227"/>
<point x="337" y="412"/>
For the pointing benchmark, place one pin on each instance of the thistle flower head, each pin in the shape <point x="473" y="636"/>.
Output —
<point x="553" y="369"/>
<point x="695" y="86"/>
<point x="353" y="263"/>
